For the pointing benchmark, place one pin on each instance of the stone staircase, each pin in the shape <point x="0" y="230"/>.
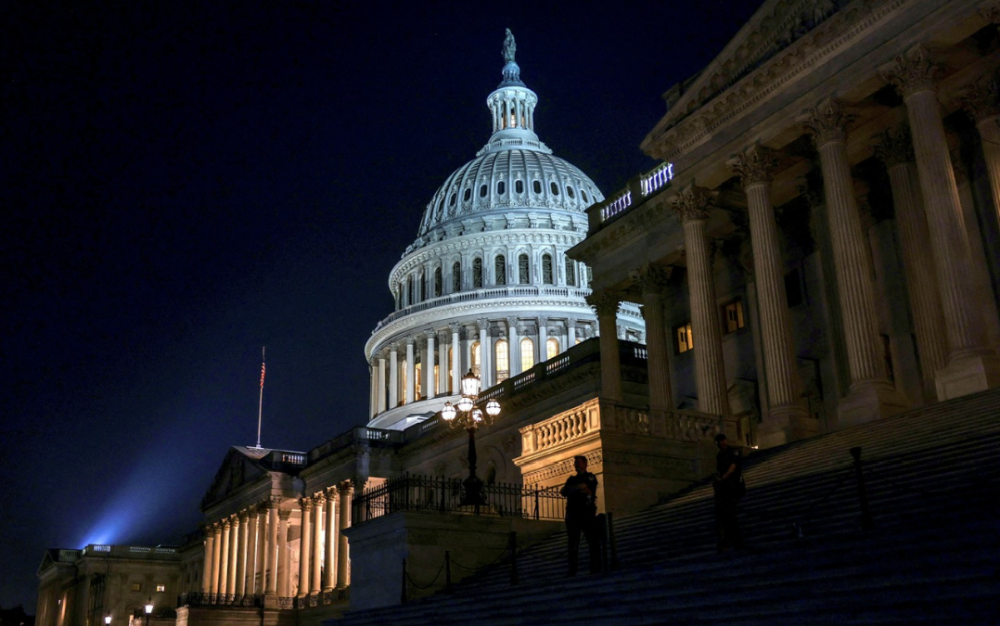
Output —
<point x="931" y="557"/>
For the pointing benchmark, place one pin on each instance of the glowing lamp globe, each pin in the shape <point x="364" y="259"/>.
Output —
<point x="477" y="416"/>
<point x="149" y="607"/>
<point x="465" y="404"/>
<point x="448" y="412"/>
<point x="493" y="408"/>
<point x="470" y="385"/>
<point x="107" y="619"/>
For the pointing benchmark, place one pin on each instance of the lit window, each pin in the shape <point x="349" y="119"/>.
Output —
<point x="519" y="186"/>
<point x="547" y="269"/>
<point x="467" y="195"/>
<point x="527" y="354"/>
<point x="500" y="267"/>
<point x="451" y="370"/>
<point x="570" y="273"/>
<point x="476" y="361"/>
<point x="477" y="273"/>
<point x="536" y="186"/>
<point x="417" y="379"/>
<point x="554" y="187"/>
<point x="501" y="188"/>
<point x="401" y="392"/>
<point x="136" y="586"/>
<point x="522" y="269"/>
<point x="437" y="376"/>
<point x="503" y="362"/>
<point x="733" y="313"/>
<point x="161" y="588"/>
<point x="685" y="341"/>
<point x="456" y="276"/>
<point x="551" y="348"/>
<point x="482" y="191"/>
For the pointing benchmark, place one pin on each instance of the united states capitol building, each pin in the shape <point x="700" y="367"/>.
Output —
<point x="817" y="250"/>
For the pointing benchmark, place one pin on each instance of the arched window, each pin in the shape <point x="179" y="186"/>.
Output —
<point x="570" y="273"/>
<point x="519" y="186"/>
<point x="536" y="186"/>
<point x="503" y="362"/>
<point x="456" y="277"/>
<point x="500" y="268"/>
<point x="417" y="381"/>
<point x="451" y="370"/>
<point x="522" y="269"/>
<point x="527" y="354"/>
<point x="501" y="188"/>
<point x="467" y="195"/>
<point x="482" y="191"/>
<point x="583" y="192"/>
<point x="452" y="201"/>
<point x="477" y="273"/>
<point x="399" y="297"/>
<point x="569" y="192"/>
<point x="437" y="282"/>
<point x="554" y="187"/>
<point x="423" y="287"/>
<point x="477" y="361"/>
<point x="547" y="269"/>
<point x="412" y="289"/>
<point x="551" y="348"/>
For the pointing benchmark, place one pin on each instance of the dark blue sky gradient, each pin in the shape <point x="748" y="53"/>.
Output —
<point x="182" y="182"/>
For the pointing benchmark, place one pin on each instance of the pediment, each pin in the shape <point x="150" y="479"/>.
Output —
<point x="237" y="470"/>
<point x="775" y="26"/>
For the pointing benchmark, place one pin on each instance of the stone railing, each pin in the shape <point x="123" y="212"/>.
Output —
<point x="638" y="189"/>
<point x="560" y="429"/>
<point x="360" y="434"/>
<point x="693" y="426"/>
<point x="631" y="421"/>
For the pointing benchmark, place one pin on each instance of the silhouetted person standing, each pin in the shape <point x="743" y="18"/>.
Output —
<point x="729" y="488"/>
<point x="580" y="492"/>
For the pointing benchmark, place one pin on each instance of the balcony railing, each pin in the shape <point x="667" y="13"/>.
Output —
<point x="447" y="495"/>
<point x="639" y="188"/>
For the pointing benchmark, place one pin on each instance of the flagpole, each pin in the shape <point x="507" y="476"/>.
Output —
<point x="260" y="406"/>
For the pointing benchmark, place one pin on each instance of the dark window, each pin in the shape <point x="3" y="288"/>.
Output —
<point x="452" y="201"/>
<point x="456" y="277"/>
<point x="501" y="188"/>
<point x="519" y="186"/>
<point x="537" y="186"/>
<point x="547" y="269"/>
<point x="500" y="266"/>
<point x="569" y="192"/>
<point x="793" y="288"/>
<point x="482" y="191"/>
<point x="570" y="273"/>
<point x="477" y="273"/>
<point x="522" y="269"/>
<point x="468" y="194"/>
<point x="584" y="194"/>
<point x="437" y="282"/>
<point x="554" y="187"/>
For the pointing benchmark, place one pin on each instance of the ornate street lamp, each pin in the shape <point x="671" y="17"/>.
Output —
<point x="107" y="620"/>
<point x="466" y="415"/>
<point x="149" y="609"/>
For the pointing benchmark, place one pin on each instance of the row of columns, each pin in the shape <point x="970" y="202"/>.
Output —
<point x="247" y="553"/>
<point x="959" y="361"/>
<point x="385" y="371"/>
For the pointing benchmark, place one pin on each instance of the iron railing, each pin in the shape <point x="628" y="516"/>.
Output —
<point x="448" y="495"/>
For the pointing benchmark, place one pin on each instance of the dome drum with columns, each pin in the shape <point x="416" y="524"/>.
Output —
<point x="487" y="285"/>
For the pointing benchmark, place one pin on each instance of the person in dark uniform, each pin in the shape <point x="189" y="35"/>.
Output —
<point x="729" y="488"/>
<point x="580" y="492"/>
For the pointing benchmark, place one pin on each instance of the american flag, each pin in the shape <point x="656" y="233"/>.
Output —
<point x="262" y="375"/>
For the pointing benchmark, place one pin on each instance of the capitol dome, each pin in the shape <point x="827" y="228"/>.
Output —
<point x="486" y="285"/>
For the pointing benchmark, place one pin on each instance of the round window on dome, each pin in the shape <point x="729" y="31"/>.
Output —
<point x="554" y="187"/>
<point x="501" y="188"/>
<point x="519" y="186"/>
<point x="482" y="191"/>
<point x="537" y="186"/>
<point x="569" y="192"/>
<point x="468" y="194"/>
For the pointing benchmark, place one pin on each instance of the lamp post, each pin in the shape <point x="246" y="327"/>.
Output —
<point x="149" y="609"/>
<point x="470" y="417"/>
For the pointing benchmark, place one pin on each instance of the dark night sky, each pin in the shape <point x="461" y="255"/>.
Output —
<point x="182" y="182"/>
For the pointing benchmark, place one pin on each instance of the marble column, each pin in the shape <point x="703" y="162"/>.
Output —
<point x="315" y="579"/>
<point x="393" y="376"/>
<point x="330" y="545"/>
<point x="241" y="555"/>
<point x="606" y="305"/>
<point x="692" y="205"/>
<point x="543" y="337"/>
<point x="207" y="568"/>
<point x="870" y="396"/>
<point x="234" y="548"/>
<point x="223" y="570"/>
<point x="410" y="370"/>
<point x="380" y="386"/>
<point x="570" y="333"/>
<point x="787" y="418"/>
<point x="456" y="352"/>
<point x="217" y="555"/>
<point x="982" y="102"/>
<point x="344" y="491"/>
<point x="896" y="151"/>
<point x="271" y="565"/>
<point x="442" y="376"/>
<point x="971" y="364"/>
<point x="259" y="567"/>
<point x="305" y="547"/>
<point x="282" y="567"/>
<point x="514" y="348"/>
<point x="429" y="365"/>
<point x="485" y="353"/>
<point x="653" y="279"/>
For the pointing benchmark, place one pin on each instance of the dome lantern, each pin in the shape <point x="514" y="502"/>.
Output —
<point x="512" y="104"/>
